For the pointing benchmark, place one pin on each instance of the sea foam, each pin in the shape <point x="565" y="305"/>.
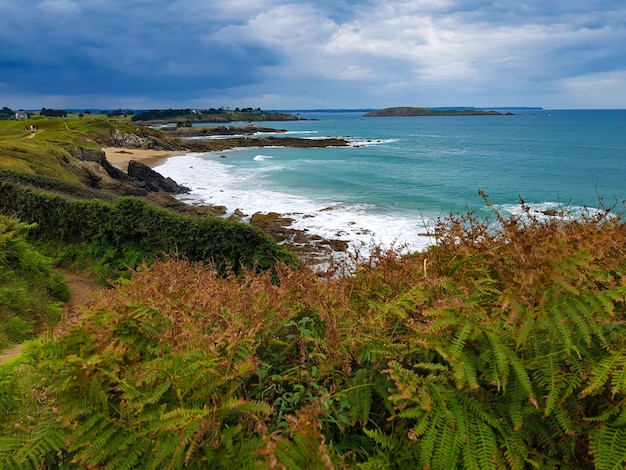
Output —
<point x="213" y="182"/>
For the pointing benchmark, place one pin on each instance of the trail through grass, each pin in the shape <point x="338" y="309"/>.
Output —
<point x="83" y="289"/>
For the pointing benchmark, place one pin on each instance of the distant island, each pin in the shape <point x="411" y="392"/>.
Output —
<point x="411" y="111"/>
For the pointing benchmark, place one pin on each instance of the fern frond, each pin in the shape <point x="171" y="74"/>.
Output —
<point x="430" y="439"/>
<point x="237" y="406"/>
<point x="483" y="444"/>
<point x="447" y="452"/>
<point x="611" y="367"/>
<point x="498" y="360"/>
<point x="521" y="375"/>
<point x="129" y="451"/>
<point x="462" y="335"/>
<point x="90" y="427"/>
<point x="558" y="325"/>
<point x="549" y="379"/>
<point x="608" y="447"/>
<point x="618" y="380"/>
<point x="30" y="450"/>
<point x="380" y="438"/>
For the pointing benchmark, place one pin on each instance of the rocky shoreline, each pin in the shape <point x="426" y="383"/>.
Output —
<point x="201" y="131"/>
<point x="141" y="180"/>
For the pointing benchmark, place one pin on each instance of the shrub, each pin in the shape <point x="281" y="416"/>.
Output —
<point x="123" y="234"/>
<point x="30" y="294"/>
<point x="501" y="347"/>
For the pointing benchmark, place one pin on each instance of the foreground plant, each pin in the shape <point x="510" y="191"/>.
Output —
<point x="503" y="346"/>
<point x="31" y="295"/>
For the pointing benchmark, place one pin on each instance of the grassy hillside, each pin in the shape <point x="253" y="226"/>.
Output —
<point x="40" y="145"/>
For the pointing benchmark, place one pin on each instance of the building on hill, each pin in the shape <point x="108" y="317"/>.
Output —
<point x="21" y="114"/>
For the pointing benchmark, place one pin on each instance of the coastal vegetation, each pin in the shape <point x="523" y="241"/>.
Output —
<point x="6" y="113"/>
<point x="31" y="294"/>
<point x="412" y="111"/>
<point x="494" y="349"/>
<point x="501" y="346"/>
<point x="54" y="184"/>
<point x="219" y="115"/>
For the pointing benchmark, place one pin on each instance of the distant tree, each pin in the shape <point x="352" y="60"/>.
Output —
<point x="87" y="111"/>
<point x="6" y="113"/>
<point x="53" y="112"/>
<point x="81" y="115"/>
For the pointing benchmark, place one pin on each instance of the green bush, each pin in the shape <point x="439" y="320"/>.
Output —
<point x="123" y="234"/>
<point x="30" y="293"/>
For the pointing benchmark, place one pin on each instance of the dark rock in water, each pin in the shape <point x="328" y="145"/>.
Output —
<point x="273" y="224"/>
<point x="217" y="145"/>
<point x="311" y="248"/>
<point x="237" y="216"/>
<point x="553" y="213"/>
<point x="151" y="180"/>
<point x="201" y="131"/>
<point x="338" y="245"/>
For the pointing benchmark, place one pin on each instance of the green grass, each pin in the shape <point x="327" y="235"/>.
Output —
<point x="44" y="150"/>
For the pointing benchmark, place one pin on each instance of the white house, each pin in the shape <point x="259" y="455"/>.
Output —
<point x="21" y="114"/>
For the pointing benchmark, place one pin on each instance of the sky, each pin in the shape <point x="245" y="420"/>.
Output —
<point x="312" y="54"/>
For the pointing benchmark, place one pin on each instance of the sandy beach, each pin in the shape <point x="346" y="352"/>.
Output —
<point x="119" y="157"/>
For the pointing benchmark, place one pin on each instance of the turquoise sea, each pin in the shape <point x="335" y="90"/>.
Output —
<point x="402" y="173"/>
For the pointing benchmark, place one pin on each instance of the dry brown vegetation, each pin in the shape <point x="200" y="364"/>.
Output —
<point x="503" y="346"/>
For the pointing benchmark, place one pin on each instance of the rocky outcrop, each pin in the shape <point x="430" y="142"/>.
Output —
<point x="201" y="131"/>
<point x="150" y="180"/>
<point x="98" y="156"/>
<point x="97" y="172"/>
<point x="293" y="142"/>
<point x="93" y="175"/>
<point x="307" y="247"/>
<point x="143" y="139"/>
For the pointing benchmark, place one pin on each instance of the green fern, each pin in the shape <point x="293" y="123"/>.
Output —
<point x="608" y="446"/>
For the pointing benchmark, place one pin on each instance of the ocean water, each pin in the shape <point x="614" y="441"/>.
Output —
<point x="401" y="174"/>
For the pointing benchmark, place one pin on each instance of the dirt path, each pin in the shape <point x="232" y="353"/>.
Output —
<point x="82" y="289"/>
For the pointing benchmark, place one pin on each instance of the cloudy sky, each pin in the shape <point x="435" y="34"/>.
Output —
<point x="304" y="54"/>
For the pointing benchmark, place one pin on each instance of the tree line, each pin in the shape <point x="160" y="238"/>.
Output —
<point x="154" y="114"/>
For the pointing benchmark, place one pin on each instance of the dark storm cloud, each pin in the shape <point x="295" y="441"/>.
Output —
<point x="327" y="53"/>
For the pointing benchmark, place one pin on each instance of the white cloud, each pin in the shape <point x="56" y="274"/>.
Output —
<point x="59" y="7"/>
<point x="595" y="90"/>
